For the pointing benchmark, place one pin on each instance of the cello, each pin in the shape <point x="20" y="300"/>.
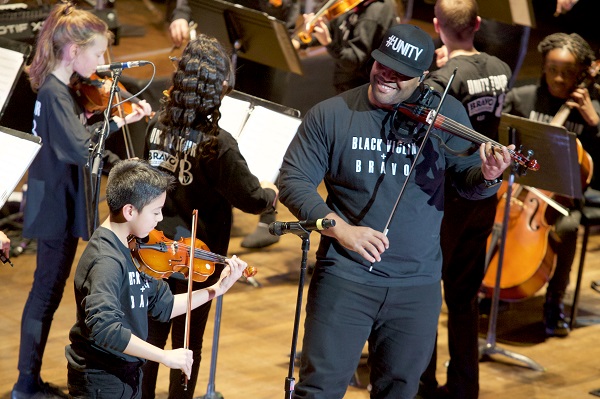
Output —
<point x="529" y="228"/>
<point x="527" y="235"/>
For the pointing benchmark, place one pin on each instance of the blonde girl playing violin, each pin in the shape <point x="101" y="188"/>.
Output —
<point x="114" y="299"/>
<point x="56" y="210"/>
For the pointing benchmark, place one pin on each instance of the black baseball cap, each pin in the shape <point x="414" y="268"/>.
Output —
<point x="407" y="49"/>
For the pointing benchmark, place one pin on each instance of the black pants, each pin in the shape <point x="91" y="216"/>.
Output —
<point x="158" y="334"/>
<point x="399" y="324"/>
<point x="465" y="229"/>
<point x="122" y="383"/>
<point x="54" y="262"/>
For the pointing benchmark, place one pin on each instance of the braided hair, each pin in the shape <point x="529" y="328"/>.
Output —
<point x="204" y="75"/>
<point x="575" y="44"/>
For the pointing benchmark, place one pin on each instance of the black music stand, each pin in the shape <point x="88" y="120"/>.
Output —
<point x="14" y="60"/>
<point x="556" y="152"/>
<point x="252" y="102"/>
<point x="251" y="34"/>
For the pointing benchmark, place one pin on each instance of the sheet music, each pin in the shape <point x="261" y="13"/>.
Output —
<point x="264" y="141"/>
<point x="17" y="151"/>
<point x="520" y="12"/>
<point x="10" y="66"/>
<point x="234" y="114"/>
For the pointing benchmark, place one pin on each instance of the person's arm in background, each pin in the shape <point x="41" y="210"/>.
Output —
<point x="564" y="6"/>
<point x="179" y="27"/>
<point x="5" y="242"/>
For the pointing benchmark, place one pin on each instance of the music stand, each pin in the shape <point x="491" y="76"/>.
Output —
<point x="251" y="34"/>
<point x="13" y="55"/>
<point x="17" y="151"/>
<point x="512" y="12"/>
<point x="555" y="149"/>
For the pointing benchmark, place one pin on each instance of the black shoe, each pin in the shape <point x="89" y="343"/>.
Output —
<point x="47" y="391"/>
<point x="554" y="320"/>
<point x="432" y="392"/>
<point x="260" y="238"/>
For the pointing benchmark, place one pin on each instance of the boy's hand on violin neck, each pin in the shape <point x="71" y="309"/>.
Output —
<point x="230" y="274"/>
<point x="494" y="160"/>
<point x="179" y="359"/>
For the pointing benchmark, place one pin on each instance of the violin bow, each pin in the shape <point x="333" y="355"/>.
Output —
<point x="419" y="151"/>
<point x="188" y="313"/>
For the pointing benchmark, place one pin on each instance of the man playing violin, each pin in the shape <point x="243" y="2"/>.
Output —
<point x="378" y="270"/>
<point x="114" y="299"/>
<point x="566" y="59"/>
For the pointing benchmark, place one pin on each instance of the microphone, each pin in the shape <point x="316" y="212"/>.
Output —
<point x="121" y="65"/>
<point x="301" y="227"/>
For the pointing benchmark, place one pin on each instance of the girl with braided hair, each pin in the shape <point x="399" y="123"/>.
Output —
<point x="566" y="58"/>
<point x="185" y="140"/>
<point x="56" y="211"/>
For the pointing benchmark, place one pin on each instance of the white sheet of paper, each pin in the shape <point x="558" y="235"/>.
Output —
<point x="16" y="154"/>
<point x="10" y="65"/>
<point x="519" y="10"/>
<point x="264" y="141"/>
<point x="234" y="113"/>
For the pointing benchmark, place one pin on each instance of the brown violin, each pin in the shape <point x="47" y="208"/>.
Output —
<point x="94" y="93"/>
<point x="160" y="257"/>
<point x="425" y="115"/>
<point x="330" y="10"/>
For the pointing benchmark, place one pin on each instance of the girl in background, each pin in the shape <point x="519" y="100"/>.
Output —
<point x="212" y="176"/>
<point x="56" y="210"/>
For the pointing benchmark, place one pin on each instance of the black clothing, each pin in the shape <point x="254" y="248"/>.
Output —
<point x="114" y="301"/>
<point x="56" y="200"/>
<point x="288" y="11"/>
<point x="57" y="213"/>
<point x="212" y="186"/>
<point x="481" y="83"/>
<point x="252" y="77"/>
<point x="536" y="103"/>
<point x="346" y="142"/>
<point x="353" y="36"/>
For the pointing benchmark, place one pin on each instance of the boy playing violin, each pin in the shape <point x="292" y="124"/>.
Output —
<point x="108" y="341"/>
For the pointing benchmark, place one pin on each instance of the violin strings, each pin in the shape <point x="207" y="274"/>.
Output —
<point x="207" y="255"/>
<point x="471" y="135"/>
<point x="464" y="132"/>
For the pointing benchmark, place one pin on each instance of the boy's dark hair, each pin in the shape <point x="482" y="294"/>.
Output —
<point x="135" y="182"/>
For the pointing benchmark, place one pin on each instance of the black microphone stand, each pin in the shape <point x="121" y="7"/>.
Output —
<point x="489" y="347"/>
<point x="289" y="381"/>
<point x="96" y="159"/>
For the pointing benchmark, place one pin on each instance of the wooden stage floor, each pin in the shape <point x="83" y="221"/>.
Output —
<point x="257" y="322"/>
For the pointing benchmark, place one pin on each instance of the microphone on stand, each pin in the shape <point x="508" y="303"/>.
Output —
<point x="300" y="227"/>
<point x="121" y="65"/>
